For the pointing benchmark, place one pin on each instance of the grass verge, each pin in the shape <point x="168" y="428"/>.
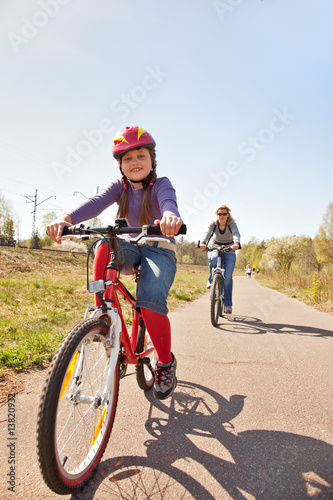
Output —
<point x="312" y="289"/>
<point x="43" y="296"/>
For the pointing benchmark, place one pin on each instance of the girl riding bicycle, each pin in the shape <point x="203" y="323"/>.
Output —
<point x="225" y="232"/>
<point x="143" y="198"/>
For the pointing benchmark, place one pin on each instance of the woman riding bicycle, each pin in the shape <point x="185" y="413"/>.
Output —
<point x="143" y="198"/>
<point x="225" y="232"/>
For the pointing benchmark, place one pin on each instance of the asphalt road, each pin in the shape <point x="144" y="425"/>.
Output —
<point x="251" y="417"/>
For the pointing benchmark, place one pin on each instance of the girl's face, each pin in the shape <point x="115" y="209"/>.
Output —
<point x="136" y="165"/>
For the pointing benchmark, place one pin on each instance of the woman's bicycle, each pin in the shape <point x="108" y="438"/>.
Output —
<point x="217" y="288"/>
<point x="80" y="393"/>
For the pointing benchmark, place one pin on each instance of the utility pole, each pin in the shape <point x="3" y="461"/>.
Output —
<point x="33" y="199"/>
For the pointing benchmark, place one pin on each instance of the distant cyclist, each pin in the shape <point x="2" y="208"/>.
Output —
<point x="224" y="231"/>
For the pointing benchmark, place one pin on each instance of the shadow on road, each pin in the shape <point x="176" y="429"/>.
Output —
<point x="255" y="326"/>
<point x="195" y="452"/>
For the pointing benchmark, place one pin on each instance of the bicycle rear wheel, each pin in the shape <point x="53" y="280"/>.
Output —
<point x="215" y="299"/>
<point x="144" y="374"/>
<point x="74" y="423"/>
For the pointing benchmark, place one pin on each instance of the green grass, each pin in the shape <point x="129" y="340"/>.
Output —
<point x="44" y="296"/>
<point x="35" y="318"/>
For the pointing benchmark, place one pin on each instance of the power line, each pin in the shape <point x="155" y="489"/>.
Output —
<point x="79" y="192"/>
<point x="33" y="199"/>
<point x="20" y="152"/>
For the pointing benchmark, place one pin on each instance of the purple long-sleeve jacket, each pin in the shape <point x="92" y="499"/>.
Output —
<point x="163" y="202"/>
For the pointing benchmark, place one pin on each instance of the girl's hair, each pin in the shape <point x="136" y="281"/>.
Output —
<point x="148" y="184"/>
<point x="224" y="207"/>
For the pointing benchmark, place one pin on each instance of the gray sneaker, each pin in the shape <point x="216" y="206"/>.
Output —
<point x="228" y="309"/>
<point x="165" y="379"/>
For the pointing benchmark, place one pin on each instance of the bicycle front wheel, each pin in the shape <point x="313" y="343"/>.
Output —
<point x="222" y="297"/>
<point x="76" y="412"/>
<point x="215" y="299"/>
<point x="145" y="373"/>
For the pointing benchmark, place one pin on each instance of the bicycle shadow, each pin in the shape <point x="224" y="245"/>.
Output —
<point x="254" y="326"/>
<point x="196" y="452"/>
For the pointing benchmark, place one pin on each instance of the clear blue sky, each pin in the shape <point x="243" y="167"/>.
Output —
<point x="237" y="94"/>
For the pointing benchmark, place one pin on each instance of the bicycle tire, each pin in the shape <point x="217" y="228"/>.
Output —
<point x="144" y="375"/>
<point x="222" y="298"/>
<point x="71" y="433"/>
<point x="215" y="303"/>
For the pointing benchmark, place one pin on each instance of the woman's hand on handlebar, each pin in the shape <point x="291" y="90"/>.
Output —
<point x="203" y="246"/>
<point x="169" y="224"/>
<point x="54" y="230"/>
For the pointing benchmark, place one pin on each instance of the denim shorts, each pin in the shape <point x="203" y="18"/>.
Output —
<point x="158" y="270"/>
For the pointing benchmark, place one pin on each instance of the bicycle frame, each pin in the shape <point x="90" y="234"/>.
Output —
<point x="119" y="341"/>
<point x="220" y="261"/>
<point x="113" y="286"/>
<point x="217" y="287"/>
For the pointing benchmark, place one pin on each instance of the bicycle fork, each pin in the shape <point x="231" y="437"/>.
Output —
<point x="112" y="343"/>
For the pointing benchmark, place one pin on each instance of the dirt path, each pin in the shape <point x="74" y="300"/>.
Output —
<point x="251" y="417"/>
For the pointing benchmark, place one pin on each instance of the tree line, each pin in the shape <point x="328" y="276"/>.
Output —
<point x="298" y="253"/>
<point x="290" y="253"/>
<point x="293" y="253"/>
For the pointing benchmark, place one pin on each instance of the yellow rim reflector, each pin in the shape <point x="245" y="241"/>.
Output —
<point x="68" y="374"/>
<point x="98" y="427"/>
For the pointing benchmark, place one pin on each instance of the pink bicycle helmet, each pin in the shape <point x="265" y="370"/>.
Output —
<point x="131" y="138"/>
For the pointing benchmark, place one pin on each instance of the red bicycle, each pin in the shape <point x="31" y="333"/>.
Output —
<point x="80" y="393"/>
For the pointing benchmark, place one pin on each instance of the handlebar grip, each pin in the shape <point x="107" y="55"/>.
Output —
<point x="71" y="230"/>
<point x="156" y="229"/>
<point x="182" y="229"/>
<point x="67" y="231"/>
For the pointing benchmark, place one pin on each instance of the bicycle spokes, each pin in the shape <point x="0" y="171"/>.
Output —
<point x="80" y="416"/>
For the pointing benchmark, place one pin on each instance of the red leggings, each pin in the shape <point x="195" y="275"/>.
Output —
<point x="159" y="330"/>
<point x="157" y="325"/>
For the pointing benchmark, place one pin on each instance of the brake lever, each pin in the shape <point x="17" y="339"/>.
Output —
<point x="143" y="234"/>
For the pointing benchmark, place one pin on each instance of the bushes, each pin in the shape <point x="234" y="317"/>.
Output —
<point x="313" y="289"/>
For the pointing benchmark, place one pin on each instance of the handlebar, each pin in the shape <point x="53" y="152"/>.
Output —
<point x="147" y="230"/>
<point x="220" y="248"/>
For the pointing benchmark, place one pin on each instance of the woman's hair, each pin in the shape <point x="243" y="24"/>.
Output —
<point x="224" y="207"/>
<point x="145" y="207"/>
